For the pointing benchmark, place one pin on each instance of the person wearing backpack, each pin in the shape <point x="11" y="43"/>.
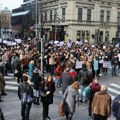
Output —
<point x="84" y="81"/>
<point x="89" y="93"/>
<point x="25" y="94"/>
<point x="116" y="107"/>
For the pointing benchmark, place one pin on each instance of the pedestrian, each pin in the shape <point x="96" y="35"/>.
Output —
<point x="59" y="71"/>
<point x="66" y="79"/>
<point x="47" y="91"/>
<point x="36" y="85"/>
<point x="116" y="107"/>
<point x="84" y="82"/>
<point x="94" y="87"/>
<point x="24" y="90"/>
<point x="31" y="68"/>
<point x="71" y="96"/>
<point x="101" y="105"/>
<point x="2" y="82"/>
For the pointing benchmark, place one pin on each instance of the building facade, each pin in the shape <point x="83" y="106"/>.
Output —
<point x="92" y="20"/>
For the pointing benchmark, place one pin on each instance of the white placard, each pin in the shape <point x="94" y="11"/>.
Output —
<point x="107" y="64"/>
<point x="78" y="64"/>
<point x="119" y="56"/>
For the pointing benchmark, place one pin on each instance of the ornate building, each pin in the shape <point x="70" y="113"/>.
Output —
<point x="92" y="20"/>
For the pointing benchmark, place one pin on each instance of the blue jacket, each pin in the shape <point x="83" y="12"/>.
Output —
<point x="116" y="107"/>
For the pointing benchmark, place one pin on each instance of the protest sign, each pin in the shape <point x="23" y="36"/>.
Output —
<point x="78" y="64"/>
<point x="107" y="64"/>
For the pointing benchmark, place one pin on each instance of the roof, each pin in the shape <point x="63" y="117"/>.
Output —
<point x="30" y="1"/>
<point x="5" y="10"/>
<point x="20" y="13"/>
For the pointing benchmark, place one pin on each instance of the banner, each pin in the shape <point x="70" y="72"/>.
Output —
<point x="107" y="64"/>
<point x="78" y="64"/>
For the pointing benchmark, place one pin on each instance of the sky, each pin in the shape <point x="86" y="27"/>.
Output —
<point x="11" y="4"/>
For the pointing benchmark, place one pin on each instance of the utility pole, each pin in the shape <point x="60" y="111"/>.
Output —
<point x="36" y="24"/>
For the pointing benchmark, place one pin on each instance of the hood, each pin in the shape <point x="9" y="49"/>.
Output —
<point x="72" y="90"/>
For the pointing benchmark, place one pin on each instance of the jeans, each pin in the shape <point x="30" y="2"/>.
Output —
<point x="113" y="70"/>
<point x="25" y="110"/>
<point x="58" y="82"/>
<point x="81" y="92"/>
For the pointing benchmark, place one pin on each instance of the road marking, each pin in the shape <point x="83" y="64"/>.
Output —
<point x="8" y="87"/>
<point x="115" y="85"/>
<point x="113" y="90"/>
<point x="11" y="82"/>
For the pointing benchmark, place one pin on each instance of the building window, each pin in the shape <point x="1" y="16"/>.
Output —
<point x="80" y="14"/>
<point x="46" y="16"/>
<point x="102" y="16"/>
<point x="50" y="15"/>
<point x="63" y="13"/>
<point x="118" y="18"/>
<point x="55" y="14"/>
<point x="88" y="15"/>
<point x="108" y="16"/>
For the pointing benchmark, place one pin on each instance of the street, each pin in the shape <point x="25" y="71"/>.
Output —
<point x="11" y="105"/>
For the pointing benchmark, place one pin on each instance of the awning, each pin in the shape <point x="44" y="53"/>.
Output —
<point x="20" y="13"/>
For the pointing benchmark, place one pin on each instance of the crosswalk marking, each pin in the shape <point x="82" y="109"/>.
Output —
<point x="115" y="85"/>
<point x="8" y="87"/>
<point x="12" y="82"/>
<point x="113" y="90"/>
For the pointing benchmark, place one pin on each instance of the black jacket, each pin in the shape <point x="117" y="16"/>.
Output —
<point x="44" y="89"/>
<point x="22" y="88"/>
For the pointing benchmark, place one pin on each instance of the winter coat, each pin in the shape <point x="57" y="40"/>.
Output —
<point x="101" y="104"/>
<point x="24" y="87"/>
<point x="83" y="77"/>
<point x="44" y="88"/>
<point x="116" y="107"/>
<point x="71" y="96"/>
<point x="37" y="80"/>
<point x="66" y="81"/>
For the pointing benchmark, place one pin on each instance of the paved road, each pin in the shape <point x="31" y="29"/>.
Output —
<point x="11" y="105"/>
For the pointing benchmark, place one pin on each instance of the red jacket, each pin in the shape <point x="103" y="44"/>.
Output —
<point x="59" y="71"/>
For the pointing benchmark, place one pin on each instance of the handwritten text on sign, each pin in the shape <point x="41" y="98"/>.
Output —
<point x="107" y="64"/>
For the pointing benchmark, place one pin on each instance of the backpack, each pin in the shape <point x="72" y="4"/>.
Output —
<point x="25" y="96"/>
<point x="88" y="92"/>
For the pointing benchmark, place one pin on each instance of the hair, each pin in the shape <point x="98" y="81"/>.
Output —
<point x="75" y="85"/>
<point x="47" y="82"/>
<point x="25" y="78"/>
<point x="104" y="88"/>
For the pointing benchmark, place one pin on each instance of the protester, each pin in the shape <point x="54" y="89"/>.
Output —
<point x="66" y="79"/>
<point x="101" y="105"/>
<point x="71" y="96"/>
<point x="36" y="85"/>
<point x="93" y="88"/>
<point x="47" y="91"/>
<point x="25" y="90"/>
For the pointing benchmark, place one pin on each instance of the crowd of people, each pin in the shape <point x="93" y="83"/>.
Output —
<point x="71" y="67"/>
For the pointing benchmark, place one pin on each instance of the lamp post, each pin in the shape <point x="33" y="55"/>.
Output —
<point x="36" y="24"/>
<point x="0" y="20"/>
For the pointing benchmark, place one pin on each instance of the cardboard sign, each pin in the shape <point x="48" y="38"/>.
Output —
<point x="107" y="64"/>
<point x="96" y="65"/>
<point x="78" y="64"/>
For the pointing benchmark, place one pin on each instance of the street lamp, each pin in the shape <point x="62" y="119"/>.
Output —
<point x="0" y="19"/>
